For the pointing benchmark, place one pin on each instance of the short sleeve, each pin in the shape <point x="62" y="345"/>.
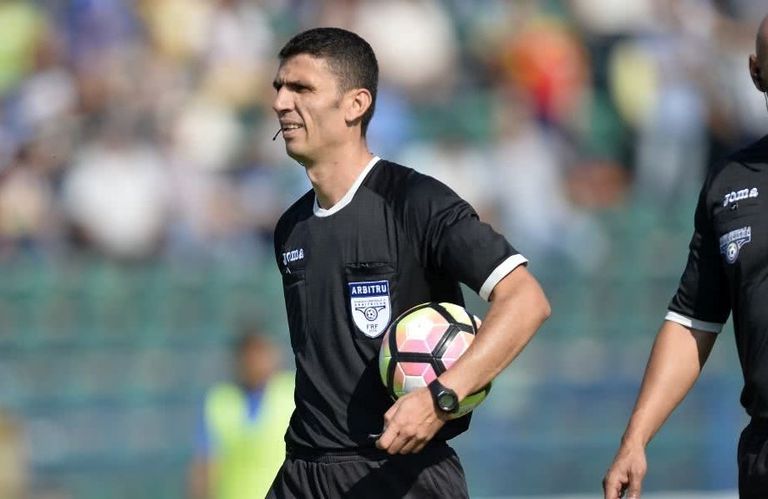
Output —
<point x="702" y="300"/>
<point x="452" y="240"/>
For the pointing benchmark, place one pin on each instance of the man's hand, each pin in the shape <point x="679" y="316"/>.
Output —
<point x="626" y="473"/>
<point x="410" y="423"/>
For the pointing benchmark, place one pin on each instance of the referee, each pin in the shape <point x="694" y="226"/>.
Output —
<point x="372" y="231"/>
<point x="727" y="271"/>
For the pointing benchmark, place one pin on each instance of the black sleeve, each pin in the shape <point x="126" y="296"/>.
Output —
<point x="451" y="239"/>
<point x="703" y="292"/>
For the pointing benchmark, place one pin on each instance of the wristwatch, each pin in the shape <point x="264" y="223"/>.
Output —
<point x="444" y="398"/>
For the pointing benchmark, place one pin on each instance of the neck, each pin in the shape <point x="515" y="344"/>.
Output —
<point x="333" y="177"/>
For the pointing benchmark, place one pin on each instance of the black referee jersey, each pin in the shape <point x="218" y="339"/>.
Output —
<point x="727" y="267"/>
<point x="396" y="239"/>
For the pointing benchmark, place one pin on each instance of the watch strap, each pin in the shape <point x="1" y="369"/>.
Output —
<point x="438" y="390"/>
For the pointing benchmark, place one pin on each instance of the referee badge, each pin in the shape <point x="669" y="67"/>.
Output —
<point x="371" y="307"/>
<point x="731" y="243"/>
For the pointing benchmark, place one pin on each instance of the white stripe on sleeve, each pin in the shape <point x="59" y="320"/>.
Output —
<point x="710" y="327"/>
<point x="500" y="273"/>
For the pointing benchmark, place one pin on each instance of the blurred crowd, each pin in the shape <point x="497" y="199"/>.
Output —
<point x="141" y="129"/>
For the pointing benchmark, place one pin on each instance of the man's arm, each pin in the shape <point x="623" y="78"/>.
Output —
<point x="677" y="357"/>
<point x="198" y="478"/>
<point x="518" y="308"/>
<point x="199" y="472"/>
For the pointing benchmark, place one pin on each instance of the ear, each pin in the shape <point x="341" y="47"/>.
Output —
<point x="754" y="72"/>
<point x="357" y="102"/>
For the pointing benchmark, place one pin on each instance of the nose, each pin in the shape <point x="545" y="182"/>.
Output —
<point x="282" y="101"/>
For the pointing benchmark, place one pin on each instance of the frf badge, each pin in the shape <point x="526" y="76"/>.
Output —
<point x="731" y="243"/>
<point x="370" y="304"/>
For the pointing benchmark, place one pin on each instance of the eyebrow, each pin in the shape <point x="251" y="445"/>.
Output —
<point x="279" y="83"/>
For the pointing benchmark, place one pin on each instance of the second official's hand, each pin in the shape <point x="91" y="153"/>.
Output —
<point x="625" y="476"/>
<point x="410" y="423"/>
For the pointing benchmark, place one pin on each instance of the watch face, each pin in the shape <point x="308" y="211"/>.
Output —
<point x="447" y="402"/>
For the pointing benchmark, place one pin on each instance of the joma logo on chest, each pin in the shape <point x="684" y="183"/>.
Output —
<point x="734" y="196"/>
<point x="293" y="256"/>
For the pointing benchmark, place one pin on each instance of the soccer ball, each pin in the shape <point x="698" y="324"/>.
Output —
<point x="422" y="344"/>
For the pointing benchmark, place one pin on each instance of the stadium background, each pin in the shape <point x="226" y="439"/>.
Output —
<point x="139" y="187"/>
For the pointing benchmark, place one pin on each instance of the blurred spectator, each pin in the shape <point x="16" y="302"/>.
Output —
<point x="414" y="41"/>
<point x="669" y="110"/>
<point x="227" y="41"/>
<point x="94" y="29"/>
<point x="212" y="219"/>
<point x="177" y="29"/>
<point x="23" y="28"/>
<point x="13" y="479"/>
<point x="116" y="194"/>
<point x="202" y="145"/>
<point x="28" y="215"/>
<point x="206" y="135"/>
<point x="240" y="444"/>
<point x="614" y="17"/>
<point x="47" y="96"/>
<point x="545" y="61"/>
<point x="238" y="52"/>
<point x="529" y="184"/>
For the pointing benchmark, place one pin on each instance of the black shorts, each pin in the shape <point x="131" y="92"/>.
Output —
<point x="753" y="460"/>
<point x="435" y="472"/>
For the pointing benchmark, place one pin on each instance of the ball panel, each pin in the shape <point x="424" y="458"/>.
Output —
<point x="414" y="382"/>
<point x="470" y="402"/>
<point x="398" y="381"/>
<point x="411" y="375"/>
<point x="458" y="313"/>
<point x="456" y="347"/>
<point x="414" y="368"/>
<point x="429" y="375"/>
<point x="386" y="351"/>
<point x="385" y="359"/>
<point x="421" y="331"/>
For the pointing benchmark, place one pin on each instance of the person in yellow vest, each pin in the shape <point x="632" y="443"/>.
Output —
<point x="240" y="445"/>
<point x="13" y="466"/>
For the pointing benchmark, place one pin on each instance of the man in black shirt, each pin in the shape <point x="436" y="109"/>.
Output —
<point x="375" y="232"/>
<point x="727" y="271"/>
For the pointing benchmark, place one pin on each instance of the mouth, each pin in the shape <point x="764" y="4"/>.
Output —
<point x="287" y="128"/>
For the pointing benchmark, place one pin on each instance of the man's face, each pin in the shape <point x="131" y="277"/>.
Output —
<point x="309" y="106"/>
<point x="256" y="363"/>
<point x="762" y="63"/>
<point x="758" y="62"/>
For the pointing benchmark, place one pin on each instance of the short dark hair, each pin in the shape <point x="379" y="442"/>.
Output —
<point x="250" y="338"/>
<point x="349" y="57"/>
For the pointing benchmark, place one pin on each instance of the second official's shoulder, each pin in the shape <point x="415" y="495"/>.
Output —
<point x="754" y="156"/>
<point x="737" y="174"/>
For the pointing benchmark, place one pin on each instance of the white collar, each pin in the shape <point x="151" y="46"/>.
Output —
<point x="344" y="201"/>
